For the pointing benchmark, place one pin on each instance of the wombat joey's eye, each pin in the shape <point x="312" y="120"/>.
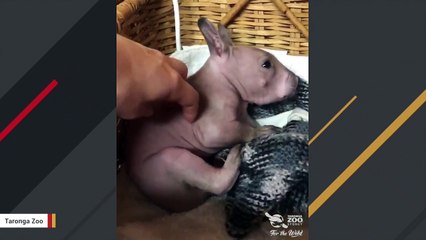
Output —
<point x="267" y="64"/>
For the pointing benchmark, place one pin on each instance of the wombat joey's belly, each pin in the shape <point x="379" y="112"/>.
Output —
<point x="150" y="136"/>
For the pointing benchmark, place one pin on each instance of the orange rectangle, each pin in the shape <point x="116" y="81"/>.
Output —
<point x="53" y="220"/>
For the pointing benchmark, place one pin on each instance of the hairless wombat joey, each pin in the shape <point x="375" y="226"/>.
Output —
<point x="166" y="157"/>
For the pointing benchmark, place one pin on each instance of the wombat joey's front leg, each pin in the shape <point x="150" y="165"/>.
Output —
<point x="229" y="170"/>
<point x="251" y="133"/>
<point x="250" y="129"/>
<point x="216" y="181"/>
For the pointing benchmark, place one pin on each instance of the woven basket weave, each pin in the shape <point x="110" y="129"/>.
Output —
<point x="274" y="24"/>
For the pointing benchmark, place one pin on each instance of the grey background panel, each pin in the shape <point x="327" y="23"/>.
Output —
<point x="374" y="50"/>
<point x="29" y="30"/>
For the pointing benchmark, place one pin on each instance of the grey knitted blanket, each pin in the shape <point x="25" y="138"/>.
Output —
<point x="273" y="172"/>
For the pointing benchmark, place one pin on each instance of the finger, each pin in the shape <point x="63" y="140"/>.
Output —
<point x="186" y="96"/>
<point x="179" y="66"/>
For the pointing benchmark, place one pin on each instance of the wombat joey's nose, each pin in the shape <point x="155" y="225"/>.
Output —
<point x="292" y="81"/>
<point x="296" y="78"/>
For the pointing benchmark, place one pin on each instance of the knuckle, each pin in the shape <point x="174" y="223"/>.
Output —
<point x="174" y="79"/>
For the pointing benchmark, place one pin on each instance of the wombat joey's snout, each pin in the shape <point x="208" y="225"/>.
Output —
<point x="288" y="86"/>
<point x="292" y="81"/>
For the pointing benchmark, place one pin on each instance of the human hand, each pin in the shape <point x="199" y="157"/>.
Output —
<point x="146" y="76"/>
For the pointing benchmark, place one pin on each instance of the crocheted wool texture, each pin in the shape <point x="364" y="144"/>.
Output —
<point x="273" y="172"/>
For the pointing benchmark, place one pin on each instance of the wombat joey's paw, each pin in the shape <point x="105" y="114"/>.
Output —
<point x="222" y="155"/>
<point x="266" y="130"/>
<point x="233" y="159"/>
<point x="228" y="174"/>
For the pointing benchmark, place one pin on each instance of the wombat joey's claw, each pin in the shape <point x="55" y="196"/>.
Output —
<point x="222" y="155"/>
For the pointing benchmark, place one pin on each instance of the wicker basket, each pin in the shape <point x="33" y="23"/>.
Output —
<point x="274" y="24"/>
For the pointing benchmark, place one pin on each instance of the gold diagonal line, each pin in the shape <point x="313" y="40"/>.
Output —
<point x="332" y="120"/>
<point x="364" y="156"/>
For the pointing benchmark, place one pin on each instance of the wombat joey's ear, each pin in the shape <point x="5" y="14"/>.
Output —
<point x="224" y="35"/>
<point x="218" y="41"/>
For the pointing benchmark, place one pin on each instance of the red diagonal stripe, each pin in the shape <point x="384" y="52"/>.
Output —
<point x="37" y="100"/>
<point x="49" y="220"/>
